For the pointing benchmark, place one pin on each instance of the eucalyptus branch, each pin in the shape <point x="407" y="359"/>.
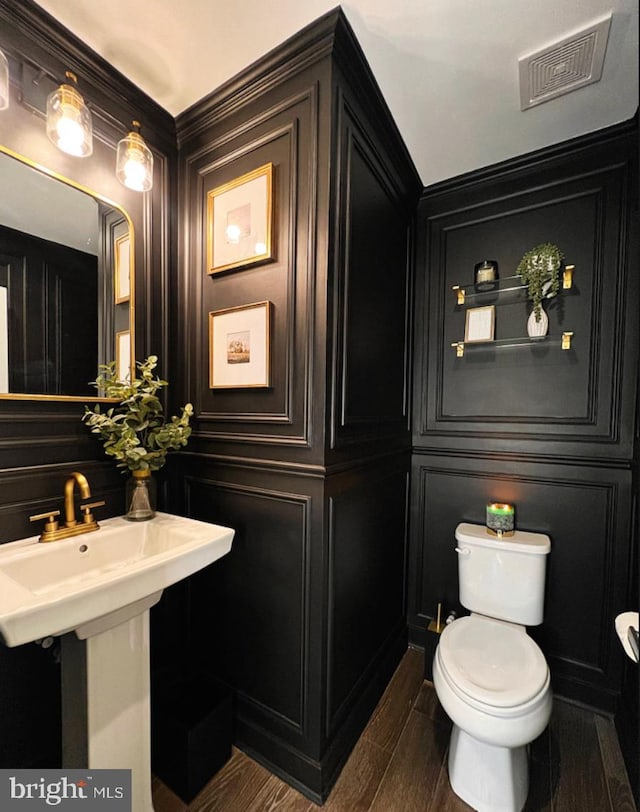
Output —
<point x="134" y="432"/>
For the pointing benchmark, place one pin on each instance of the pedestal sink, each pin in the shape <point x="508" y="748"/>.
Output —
<point x="100" y="586"/>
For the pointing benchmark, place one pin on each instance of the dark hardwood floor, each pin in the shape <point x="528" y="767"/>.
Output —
<point x="399" y="764"/>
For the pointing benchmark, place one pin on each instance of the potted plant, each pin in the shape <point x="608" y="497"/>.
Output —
<point x="134" y="431"/>
<point x="538" y="269"/>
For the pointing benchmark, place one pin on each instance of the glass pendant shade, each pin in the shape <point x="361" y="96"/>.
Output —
<point x="4" y="82"/>
<point x="134" y="162"/>
<point x="69" y="121"/>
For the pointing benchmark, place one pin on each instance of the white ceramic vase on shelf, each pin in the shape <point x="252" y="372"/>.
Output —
<point x="537" y="328"/>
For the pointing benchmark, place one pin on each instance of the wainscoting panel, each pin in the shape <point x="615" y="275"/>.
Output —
<point x="367" y="531"/>
<point x="526" y="399"/>
<point x="371" y="298"/>
<point x="585" y="512"/>
<point x="253" y="604"/>
<point x="305" y="618"/>
<point x="283" y="134"/>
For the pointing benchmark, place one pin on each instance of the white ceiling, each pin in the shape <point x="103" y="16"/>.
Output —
<point x="448" y="69"/>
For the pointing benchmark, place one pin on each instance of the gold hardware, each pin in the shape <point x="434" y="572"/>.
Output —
<point x="567" y="277"/>
<point x="51" y="525"/>
<point x="88" y="515"/>
<point x="85" y="492"/>
<point x="459" y="294"/>
<point x="566" y="341"/>
<point x="435" y="624"/>
<point x="459" y="345"/>
<point x="52" y="531"/>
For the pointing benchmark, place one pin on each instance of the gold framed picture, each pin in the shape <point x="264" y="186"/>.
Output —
<point x="480" y="324"/>
<point x="122" y="265"/>
<point x="240" y="221"/>
<point x="123" y="355"/>
<point x="239" y="346"/>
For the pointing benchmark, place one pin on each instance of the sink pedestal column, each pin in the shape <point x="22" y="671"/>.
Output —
<point x="106" y="703"/>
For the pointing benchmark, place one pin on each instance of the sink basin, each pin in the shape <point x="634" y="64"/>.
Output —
<point x="101" y="585"/>
<point x="92" y="582"/>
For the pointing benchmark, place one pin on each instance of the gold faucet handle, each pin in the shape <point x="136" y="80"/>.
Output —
<point x="88" y="515"/>
<point x="50" y="515"/>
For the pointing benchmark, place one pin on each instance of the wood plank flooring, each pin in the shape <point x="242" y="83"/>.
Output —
<point x="399" y="764"/>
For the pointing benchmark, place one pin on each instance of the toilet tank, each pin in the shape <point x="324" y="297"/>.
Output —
<point x="503" y="577"/>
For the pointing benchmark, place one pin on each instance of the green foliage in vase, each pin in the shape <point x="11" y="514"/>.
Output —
<point x="134" y="431"/>
<point x="537" y="268"/>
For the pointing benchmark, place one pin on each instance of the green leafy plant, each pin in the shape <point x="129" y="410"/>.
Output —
<point x="134" y="431"/>
<point x="538" y="269"/>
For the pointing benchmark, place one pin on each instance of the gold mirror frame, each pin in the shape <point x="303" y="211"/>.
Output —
<point x="132" y="310"/>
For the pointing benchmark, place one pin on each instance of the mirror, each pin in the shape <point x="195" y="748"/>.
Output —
<point x="66" y="284"/>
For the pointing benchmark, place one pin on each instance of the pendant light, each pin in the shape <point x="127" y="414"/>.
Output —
<point x="69" y="120"/>
<point x="134" y="161"/>
<point x="4" y="82"/>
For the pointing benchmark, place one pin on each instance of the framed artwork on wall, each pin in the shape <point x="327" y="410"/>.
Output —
<point x="240" y="221"/>
<point x="121" y="270"/>
<point x="480" y="324"/>
<point x="239" y="346"/>
<point x="123" y="355"/>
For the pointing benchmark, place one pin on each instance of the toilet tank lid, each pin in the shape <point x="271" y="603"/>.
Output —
<point x="521" y="541"/>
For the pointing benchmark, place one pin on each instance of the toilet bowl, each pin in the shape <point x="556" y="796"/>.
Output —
<point x="490" y="677"/>
<point x="493" y="682"/>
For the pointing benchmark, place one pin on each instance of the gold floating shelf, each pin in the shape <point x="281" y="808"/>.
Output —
<point x="508" y="284"/>
<point x="563" y="341"/>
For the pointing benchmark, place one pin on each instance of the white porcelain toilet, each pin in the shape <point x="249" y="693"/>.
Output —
<point x="490" y="676"/>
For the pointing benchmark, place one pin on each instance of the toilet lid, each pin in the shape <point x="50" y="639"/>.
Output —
<point x="492" y="662"/>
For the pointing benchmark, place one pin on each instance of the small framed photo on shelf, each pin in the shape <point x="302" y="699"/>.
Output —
<point x="480" y="324"/>
<point x="122" y="250"/>
<point x="239" y="346"/>
<point x="240" y="221"/>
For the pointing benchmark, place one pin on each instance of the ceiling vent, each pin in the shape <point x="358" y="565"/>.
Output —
<point x="566" y="65"/>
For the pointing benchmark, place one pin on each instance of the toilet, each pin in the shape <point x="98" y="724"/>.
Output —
<point x="489" y="675"/>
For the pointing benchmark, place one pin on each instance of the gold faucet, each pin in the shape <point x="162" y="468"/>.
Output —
<point x="72" y="527"/>
<point x="69" y="486"/>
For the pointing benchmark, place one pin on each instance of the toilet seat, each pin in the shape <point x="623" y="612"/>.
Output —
<point x="492" y="665"/>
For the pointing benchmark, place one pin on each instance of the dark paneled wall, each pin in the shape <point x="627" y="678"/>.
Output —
<point x="305" y="618"/>
<point x="42" y="442"/>
<point x="549" y="430"/>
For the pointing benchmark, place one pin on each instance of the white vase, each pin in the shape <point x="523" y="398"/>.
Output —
<point x="537" y="328"/>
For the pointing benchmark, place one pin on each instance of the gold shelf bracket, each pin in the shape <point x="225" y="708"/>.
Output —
<point x="459" y="346"/>
<point x="566" y="341"/>
<point x="567" y="277"/>
<point x="459" y="294"/>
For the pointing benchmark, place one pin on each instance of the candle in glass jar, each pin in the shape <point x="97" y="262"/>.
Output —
<point x="500" y="517"/>
<point x="485" y="275"/>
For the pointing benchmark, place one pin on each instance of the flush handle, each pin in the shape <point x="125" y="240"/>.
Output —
<point x="463" y="551"/>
